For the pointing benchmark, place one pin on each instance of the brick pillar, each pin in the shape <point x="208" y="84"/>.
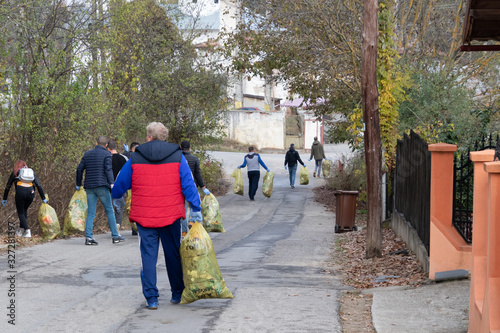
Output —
<point x="491" y="312"/>
<point x="479" y="238"/>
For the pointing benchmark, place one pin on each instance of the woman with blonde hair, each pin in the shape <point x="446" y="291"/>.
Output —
<point x="25" y="193"/>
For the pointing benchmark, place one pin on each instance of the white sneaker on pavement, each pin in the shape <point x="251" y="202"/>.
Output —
<point x="27" y="234"/>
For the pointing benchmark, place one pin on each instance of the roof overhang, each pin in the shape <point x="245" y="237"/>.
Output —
<point x="482" y="24"/>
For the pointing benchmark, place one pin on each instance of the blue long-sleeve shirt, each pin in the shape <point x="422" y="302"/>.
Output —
<point x="253" y="162"/>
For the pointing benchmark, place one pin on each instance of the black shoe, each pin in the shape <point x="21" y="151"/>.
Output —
<point x="90" y="241"/>
<point x="134" y="233"/>
<point x="118" y="239"/>
<point x="175" y="300"/>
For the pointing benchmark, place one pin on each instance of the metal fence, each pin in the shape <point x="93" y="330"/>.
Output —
<point x="412" y="184"/>
<point x="463" y="187"/>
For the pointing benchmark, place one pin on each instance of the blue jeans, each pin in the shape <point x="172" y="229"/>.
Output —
<point x="292" y="171"/>
<point x="149" y="239"/>
<point x="317" y="167"/>
<point x="119" y="205"/>
<point x="184" y="222"/>
<point x="104" y="195"/>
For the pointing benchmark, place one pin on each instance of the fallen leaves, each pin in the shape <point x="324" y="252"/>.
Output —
<point x="398" y="265"/>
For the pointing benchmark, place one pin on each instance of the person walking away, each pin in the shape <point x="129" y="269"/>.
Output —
<point x="25" y="181"/>
<point x="194" y="165"/>
<point x="128" y="152"/>
<point x="97" y="165"/>
<point x="318" y="153"/>
<point x="253" y="161"/>
<point x="160" y="180"/>
<point x="117" y="162"/>
<point x="291" y="158"/>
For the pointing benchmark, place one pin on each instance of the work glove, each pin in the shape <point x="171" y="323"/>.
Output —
<point x="285" y="167"/>
<point x="268" y="170"/>
<point x="44" y="200"/>
<point x="4" y="202"/>
<point x="196" y="216"/>
<point x="78" y="188"/>
<point x="309" y="160"/>
<point x="206" y="191"/>
<point x="125" y="147"/>
<point x="239" y="167"/>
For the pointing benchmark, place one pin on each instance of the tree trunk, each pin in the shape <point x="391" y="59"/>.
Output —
<point x="373" y="146"/>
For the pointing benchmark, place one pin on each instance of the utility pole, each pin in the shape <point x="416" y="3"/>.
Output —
<point x="373" y="145"/>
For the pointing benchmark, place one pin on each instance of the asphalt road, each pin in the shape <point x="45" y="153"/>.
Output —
<point x="274" y="257"/>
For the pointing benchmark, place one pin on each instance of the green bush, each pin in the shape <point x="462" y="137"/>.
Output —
<point x="351" y="177"/>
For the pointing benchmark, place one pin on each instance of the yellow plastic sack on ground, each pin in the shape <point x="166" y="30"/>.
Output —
<point x="201" y="273"/>
<point x="212" y="220"/>
<point x="238" y="182"/>
<point x="326" y="168"/>
<point x="304" y="176"/>
<point x="49" y="223"/>
<point x="75" y="217"/>
<point x="267" y="184"/>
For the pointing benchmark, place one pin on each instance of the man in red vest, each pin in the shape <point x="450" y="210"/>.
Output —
<point x="160" y="179"/>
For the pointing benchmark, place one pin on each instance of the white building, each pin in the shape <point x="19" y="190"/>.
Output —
<point x="202" y="21"/>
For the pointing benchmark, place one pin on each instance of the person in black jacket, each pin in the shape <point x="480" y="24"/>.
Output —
<point x="98" y="182"/>
<point x="291" y="158"/>
<point x="117" y="162"/>
<point x="25" y="193"/>
<point x="194" y="165"/>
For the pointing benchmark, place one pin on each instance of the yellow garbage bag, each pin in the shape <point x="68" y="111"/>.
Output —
<point x="238" y="181"/>
<point x="212" y="219"/>
<point x="128" y="202"/>
<point x="267" y="184"/>
<point x="304" y="176"/>
<point x="49" y="223"/>
<point x="76" y="215"/>
<point x="326" y="167"/>
<point x="201" y="273"/>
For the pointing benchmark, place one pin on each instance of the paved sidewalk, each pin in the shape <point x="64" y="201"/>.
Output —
<point x="435" y="308"/>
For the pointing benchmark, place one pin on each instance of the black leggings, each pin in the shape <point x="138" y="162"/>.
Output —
<point x="24" y="198"/>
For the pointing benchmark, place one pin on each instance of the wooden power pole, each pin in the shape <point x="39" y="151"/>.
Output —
<point x="373" y="145"/>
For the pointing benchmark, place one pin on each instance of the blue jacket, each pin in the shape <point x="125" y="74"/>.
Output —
<point x="98" y="168"/>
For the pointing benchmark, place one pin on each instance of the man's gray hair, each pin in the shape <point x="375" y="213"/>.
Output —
<point x="157" y="131"/>
<point x="102" y="141"/>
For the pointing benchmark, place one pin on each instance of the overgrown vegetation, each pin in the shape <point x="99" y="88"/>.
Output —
<point x="349" y="176"/>
<point x="71" y="71"/>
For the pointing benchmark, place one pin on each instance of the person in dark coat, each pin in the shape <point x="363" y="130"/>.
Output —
<point x="117" y="162"/>
<point x="98" y="181"/>
<point x="25" y="193"/>
<point x="318" y="153"/>
<point x="194" y="165"/>
<point x="291" y="158"/>
<point x="160" y="179"/>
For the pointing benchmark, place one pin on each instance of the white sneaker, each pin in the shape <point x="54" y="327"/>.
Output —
<point x="19" y="232"/>
<point x="27" y="234"/>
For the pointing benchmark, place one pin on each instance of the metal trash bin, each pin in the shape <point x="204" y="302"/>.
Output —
<point x="345" y="210"/>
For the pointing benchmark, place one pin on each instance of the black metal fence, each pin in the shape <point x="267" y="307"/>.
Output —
<point x="463" y="187"/>
<point x="412" y="184"/>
